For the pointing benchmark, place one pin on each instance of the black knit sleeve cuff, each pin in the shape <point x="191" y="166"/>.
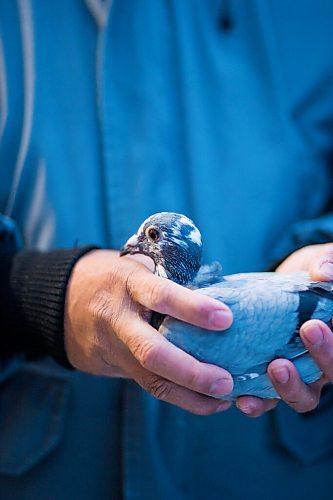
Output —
<point x="35" y="302"/>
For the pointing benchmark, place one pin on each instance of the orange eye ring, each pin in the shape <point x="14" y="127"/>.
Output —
<point x="153" y="234"/>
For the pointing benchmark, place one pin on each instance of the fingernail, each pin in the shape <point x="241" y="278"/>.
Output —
<point x="247" y="409"/>
<point x="327" y="269"/>
<point x="281" y="375"/>
<point x="313" y="334"/>
<point x="220" y="319"/>
<point x="221" y="387"/>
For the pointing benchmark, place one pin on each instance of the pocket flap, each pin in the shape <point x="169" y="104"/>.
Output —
<point x="307" y="436"/>
<point x="33" y="404"/>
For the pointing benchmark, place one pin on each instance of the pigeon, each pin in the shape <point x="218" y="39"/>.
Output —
<point x="268" y="308"/>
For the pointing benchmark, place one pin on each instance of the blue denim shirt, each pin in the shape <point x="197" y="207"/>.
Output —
<point x="111" y="112"/>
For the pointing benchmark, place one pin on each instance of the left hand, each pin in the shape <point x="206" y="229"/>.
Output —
<point x="317" y="260"/>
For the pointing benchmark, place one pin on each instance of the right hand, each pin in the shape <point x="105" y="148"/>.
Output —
<point x="107" y="331"/>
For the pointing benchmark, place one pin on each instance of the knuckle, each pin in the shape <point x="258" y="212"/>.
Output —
<point x="114" y="276"/>
<point x="146" y="352"/>
<point x="98" y="306"/>
<point x="196" y="382"/>
<point x="102" y="311"/>
<point x="313" y="402"/>
<point x="310" y="404"/>
<point x="159" y="388"/>
<point x="158" y="296"/>
<point x="130" y="282"/>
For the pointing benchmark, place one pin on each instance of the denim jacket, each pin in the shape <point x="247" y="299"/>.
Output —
<point x="111" y="111"/>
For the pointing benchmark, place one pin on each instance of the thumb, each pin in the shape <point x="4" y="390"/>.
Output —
<point x="321" y="267"/>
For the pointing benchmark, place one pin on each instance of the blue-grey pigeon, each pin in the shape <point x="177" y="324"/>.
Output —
<point x="268" y="308"/>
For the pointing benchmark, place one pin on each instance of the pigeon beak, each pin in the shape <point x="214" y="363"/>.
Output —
<point x="131" y="247"/>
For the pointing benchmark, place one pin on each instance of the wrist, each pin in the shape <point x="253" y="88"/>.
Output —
<point x="36" y="297"/>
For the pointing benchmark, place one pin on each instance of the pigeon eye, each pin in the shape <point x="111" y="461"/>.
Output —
<point x="153" y="234"/>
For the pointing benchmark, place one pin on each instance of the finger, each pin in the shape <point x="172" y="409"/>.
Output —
<point x="321" y="267"/>
<point x="167" y="391"/>
<point x="295" y="393"/>
<point x="318" y="338"/>
<point x="252" y="406"/>
<point x="166" y="297"/>
<point x="156" y="354"/>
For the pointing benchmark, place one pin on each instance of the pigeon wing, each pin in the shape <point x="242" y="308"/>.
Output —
<point x="263" y="322"/>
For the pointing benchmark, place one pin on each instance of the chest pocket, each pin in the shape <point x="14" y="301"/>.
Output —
<point x="33" y="403"/>
<point x="308" y="437"/>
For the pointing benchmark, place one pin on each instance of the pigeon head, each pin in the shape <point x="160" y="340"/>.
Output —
<point x="174" y="244"/>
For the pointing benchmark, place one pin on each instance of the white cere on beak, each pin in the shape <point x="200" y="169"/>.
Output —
<point x="140" y="230"/>
<point x="132" y="241"/>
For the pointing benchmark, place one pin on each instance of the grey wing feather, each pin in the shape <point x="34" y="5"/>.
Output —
<point x="257" y="332"/>
<point x="268" y="310"/>
<point x="209" y="274"/>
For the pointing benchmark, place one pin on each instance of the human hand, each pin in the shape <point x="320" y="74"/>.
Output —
<point x="317" y="260"/>
<point x="107" y="331"/>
